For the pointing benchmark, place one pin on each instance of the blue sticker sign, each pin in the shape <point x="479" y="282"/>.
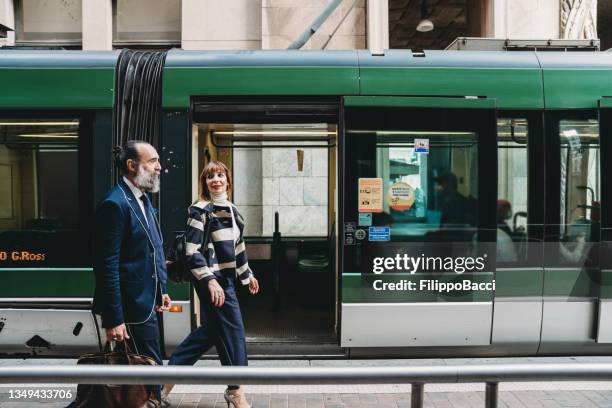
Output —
<point x="365" y="219"/>
<point x="421" y="146"/>
<point x="379" y="234"/>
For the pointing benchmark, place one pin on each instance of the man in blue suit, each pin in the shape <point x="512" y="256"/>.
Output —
<point x="130" y="265"/>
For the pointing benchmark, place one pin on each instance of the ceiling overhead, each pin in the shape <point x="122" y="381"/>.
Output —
<point x="448" y="16"/>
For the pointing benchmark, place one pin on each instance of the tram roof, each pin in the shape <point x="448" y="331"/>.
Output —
<point x="515" y="80"/>
<point x="57" y="79"/>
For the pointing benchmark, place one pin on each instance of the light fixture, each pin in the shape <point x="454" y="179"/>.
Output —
<point x="425" y="24"/>
<point x="39" y="123"/>
<point x="50" y="136"/>
<point x="274" y="133"/>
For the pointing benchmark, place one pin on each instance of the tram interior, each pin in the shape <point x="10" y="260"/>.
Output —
<point x="284" y="182"/>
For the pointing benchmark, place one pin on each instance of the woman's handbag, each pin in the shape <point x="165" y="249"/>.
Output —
<point x="108" y="395"/>
<point x="176" y="261"/>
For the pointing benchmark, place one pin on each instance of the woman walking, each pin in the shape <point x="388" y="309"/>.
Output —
<point x="215" y="269"/>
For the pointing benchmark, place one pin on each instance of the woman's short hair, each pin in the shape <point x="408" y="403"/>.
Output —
<point x="121" y="155"/>
<point x="213" y="167"/>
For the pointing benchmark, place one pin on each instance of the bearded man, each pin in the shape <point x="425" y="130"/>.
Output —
<point x="129" y="261"/>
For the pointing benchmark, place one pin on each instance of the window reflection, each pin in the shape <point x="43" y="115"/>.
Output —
<point x="512" y="185"/>
<point x="580" y="189"/>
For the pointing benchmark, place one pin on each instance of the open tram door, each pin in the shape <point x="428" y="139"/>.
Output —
<point x="418" y="228"/>
<point x="281" y="153"/>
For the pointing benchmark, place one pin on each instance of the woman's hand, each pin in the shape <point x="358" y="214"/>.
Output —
<point x="217" y="295"/>
<point x="253" y="285"/>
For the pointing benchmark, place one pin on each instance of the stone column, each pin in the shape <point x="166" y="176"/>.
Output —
<point x="578" y="19"/>
<point x="7" y="19"/>
<point x="378" y="26"/>
<point x="97" y="25"/>
<point x="221" y="24"/>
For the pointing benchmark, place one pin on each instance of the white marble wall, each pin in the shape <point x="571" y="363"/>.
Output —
<point x="269" y="181"/>
<point x="221" y="24"/>
<point x="248" y="188"/>
<point x="7" y="19"/>
<point x="300" y="197"/>
<point x="282" y="21"/>
<point x="523" y="19"/>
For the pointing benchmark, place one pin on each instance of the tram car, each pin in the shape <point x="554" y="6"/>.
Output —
<point x="443" y="203"/>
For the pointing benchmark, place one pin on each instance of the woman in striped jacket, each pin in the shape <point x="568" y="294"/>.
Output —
<point x="216" y="268"/>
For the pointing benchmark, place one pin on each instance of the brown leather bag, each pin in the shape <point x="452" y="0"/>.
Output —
<point x="108" y="395"/>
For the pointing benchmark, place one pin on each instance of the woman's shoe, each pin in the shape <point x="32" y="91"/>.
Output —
<point x="236" y="398"/>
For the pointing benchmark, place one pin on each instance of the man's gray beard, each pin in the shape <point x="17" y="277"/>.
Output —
<point x="149" y="182"/>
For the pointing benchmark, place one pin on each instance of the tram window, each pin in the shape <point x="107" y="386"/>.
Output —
<point x="428" y="195"/>
<point x="39" y="194"/>
<point x="511" y="190"/>
<point x="580" y="188"/>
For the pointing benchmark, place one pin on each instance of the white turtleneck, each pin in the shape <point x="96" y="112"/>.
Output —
<point x="221" y="200"/>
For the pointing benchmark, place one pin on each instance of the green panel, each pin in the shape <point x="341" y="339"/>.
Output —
<point x="605" y="103"/>
<point x="567" y="88"/>
<point x="512" y="88"/>
<point x="358" y="288"/>
<point x="46" y="282"/>
<point x="66" y="282"/>
<point x="178" y="291"/>
<point x="180" y="84"/>
<point x="419" y="102"/>
<point x="606" y="284"/>
<point x="57" y="88"/>
<point x="571" y="282"/>
<point x="518" y="282"/>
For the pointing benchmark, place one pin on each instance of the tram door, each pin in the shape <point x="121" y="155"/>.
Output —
<point x="573" y="228"/>
<point x="282" y="157"/>
<point x="418" y="221"/>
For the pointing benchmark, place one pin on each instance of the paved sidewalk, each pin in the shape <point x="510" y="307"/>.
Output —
<point x="458" y="399"/>
<point x="510" y="399"/>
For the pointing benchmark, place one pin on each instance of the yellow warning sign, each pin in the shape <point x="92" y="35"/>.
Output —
<point x="370" y="195"/>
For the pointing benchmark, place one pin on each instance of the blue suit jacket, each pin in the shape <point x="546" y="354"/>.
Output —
<point x="129" y="263"/>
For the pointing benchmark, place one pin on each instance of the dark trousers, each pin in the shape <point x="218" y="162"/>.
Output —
<point x="221" y="327"/>
<point x="144" y="339"/>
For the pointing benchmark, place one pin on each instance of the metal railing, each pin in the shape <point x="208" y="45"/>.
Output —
<point x="418" y="376"/>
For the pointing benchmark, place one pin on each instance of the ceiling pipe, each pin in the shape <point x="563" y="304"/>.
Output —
<point x="315" y="25"/>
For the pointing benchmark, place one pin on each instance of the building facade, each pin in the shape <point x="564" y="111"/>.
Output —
<point x="276" y="24"/>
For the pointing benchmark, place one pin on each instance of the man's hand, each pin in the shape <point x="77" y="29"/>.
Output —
<point x="217" y="295"/>
<point x="166" y="303"/>
<point x="118" y="333"/>
<point x="253" y="285"/>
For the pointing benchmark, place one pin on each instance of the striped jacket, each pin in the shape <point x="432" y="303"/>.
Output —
<point x="223" y="257"/>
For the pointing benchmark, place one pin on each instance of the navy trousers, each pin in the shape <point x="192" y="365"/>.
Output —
<point x="144" y="339"/>
<point x="221" y="327"/>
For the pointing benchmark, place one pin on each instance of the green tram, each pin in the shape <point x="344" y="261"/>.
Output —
<point x="373" y="188"/>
